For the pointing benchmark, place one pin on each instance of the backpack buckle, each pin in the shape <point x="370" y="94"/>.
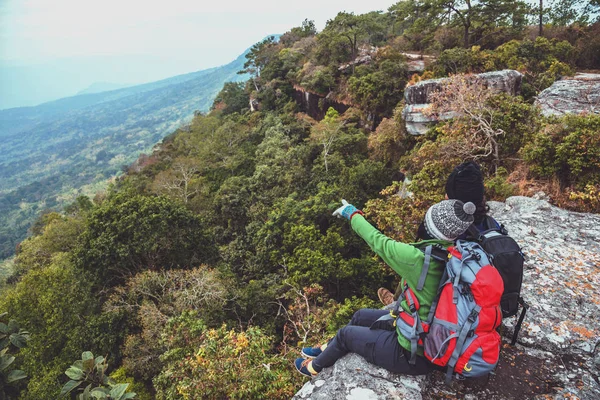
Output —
<point x="472" y="316"/>
<point x="412" y="308"/>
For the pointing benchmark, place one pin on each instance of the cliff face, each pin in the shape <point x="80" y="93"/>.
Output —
<point x="558" y="353"/>
<point x="316" y="105"/>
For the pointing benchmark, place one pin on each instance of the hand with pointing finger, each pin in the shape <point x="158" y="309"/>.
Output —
<point x="347" y="211"/>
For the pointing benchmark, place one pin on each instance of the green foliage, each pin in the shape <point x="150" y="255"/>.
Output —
<point x="57" y="237"/>
<point x="92" y="371"/>
<point x="567" y="148"/>
<point x="12" y="339"/>
<point x="379" y="88"/>
<point x="517" y="118"/>
<point x="150" y="298"/>
<point x="141" y="391"/>
<point x="587" y="200"/>
<point x="458" y="60"/>
<point x="497" y="188"/>
<point x="222" y="363"/>
<point x="542" y="61"/>
<point x="129" y="232"/>
<point x="60" y="311"/>
<point x="319" y="79"/>
<point x="232" y="98"/>
<point x="307" y="29"/>
<point x="342" y="313"/>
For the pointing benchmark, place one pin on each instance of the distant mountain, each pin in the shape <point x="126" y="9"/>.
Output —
<point x="99" y="87"/>
<point x="49" y="152"/>
<point x="31" y="84"/>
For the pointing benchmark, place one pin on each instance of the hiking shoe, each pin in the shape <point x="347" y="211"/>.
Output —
<point x="385" y="296"/>
<point x="304" y="366"/>
<point x="313" y="352"/>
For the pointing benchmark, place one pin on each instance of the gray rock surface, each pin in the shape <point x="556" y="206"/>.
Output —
<point x="352" y="378"/>
<point x="572" y="95"/>
<point x="417" y="96"/>
<point x="558" y="353"/>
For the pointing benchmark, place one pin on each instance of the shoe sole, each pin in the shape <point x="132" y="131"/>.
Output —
<point x="307" y="356"/>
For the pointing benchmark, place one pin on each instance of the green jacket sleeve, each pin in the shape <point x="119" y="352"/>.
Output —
<point x="403" y="258"/>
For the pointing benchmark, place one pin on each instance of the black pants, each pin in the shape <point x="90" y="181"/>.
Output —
<point x="377" y="346"/>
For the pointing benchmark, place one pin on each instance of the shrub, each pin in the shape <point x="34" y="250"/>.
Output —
<point x="129" y="233"/>
<point x="152" y="297"/>
<point x="92" y="371"/>
<point x="222" y="363"/>
<point x="497" y="187"/>
<point x="567" y="148"/>
<point x="12" y="339"/>
<point x="587" y="200"/>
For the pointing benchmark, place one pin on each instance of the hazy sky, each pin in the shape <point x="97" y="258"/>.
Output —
<point x="55" y="48"/>
<point x="209" y="32"/>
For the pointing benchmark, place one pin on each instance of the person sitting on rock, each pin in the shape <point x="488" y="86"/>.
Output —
<point x="465" y="183"/>
<point x="369" y="333"/>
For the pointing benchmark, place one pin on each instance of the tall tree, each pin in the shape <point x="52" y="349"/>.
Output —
<point x="258" y="57"/>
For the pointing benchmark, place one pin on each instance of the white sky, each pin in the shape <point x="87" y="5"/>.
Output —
<point x="37" y="31"/>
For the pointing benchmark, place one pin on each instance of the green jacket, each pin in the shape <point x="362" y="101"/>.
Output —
<point x="407" y="261"/>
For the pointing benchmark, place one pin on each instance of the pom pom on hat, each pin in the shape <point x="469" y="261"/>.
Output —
<point x="469" y="208"/>
<point x="449" y="219"/>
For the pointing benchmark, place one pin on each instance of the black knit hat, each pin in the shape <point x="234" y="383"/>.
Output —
<point x="465" y="183"/>
<point x="449" y="219"/>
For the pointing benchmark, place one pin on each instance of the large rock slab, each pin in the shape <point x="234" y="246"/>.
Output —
<point x="571" y="95"/>
<point x="562" y="276"/>
<point x="558" y="353"/>
<point x="507" y="81"/>
<point x="418" y="97"/>
<point x="353" y="378"/>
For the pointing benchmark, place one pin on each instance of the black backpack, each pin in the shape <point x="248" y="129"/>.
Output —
<point x="506" y="256"/>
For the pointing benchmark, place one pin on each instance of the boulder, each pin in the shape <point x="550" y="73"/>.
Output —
<point x="507" y="81"/>
<point x="558" y="352"/>
<point x="417" y="122"/>
<point x="417" y="97"/>
<point x="571" y="95"/>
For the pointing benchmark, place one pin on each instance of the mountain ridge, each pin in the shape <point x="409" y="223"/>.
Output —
<point x="50" y="151"/>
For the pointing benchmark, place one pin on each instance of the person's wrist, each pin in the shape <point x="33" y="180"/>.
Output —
<point x="356" y="212"/>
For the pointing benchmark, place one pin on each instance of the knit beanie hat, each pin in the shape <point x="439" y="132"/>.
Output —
<point x="465" y="183"/>
<point x="449" y="219"/>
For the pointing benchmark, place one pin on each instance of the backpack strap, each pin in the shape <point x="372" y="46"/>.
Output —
<point x="473" y="232"/>
<point x="430" y="252"/>
<point x="520" y="322"/>
<point x="462" y="337"/>
<point x="425" y="268"/>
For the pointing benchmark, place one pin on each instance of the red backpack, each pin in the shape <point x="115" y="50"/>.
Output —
<point x="460" y="331"/>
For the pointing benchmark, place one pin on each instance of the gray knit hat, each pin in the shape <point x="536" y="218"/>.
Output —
<point x="449" y="219"/>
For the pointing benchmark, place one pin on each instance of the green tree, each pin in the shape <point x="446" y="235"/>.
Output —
<point x="326" y="132"/>
<point x="232" y="98"/>
<point x="129" y="233"/>
<point x="568" y="12"/>
<point x="258" y="57"/>
<point x="379" y="88"/>
<point x="63" y="316"/>
<point x="307" y="29"/>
